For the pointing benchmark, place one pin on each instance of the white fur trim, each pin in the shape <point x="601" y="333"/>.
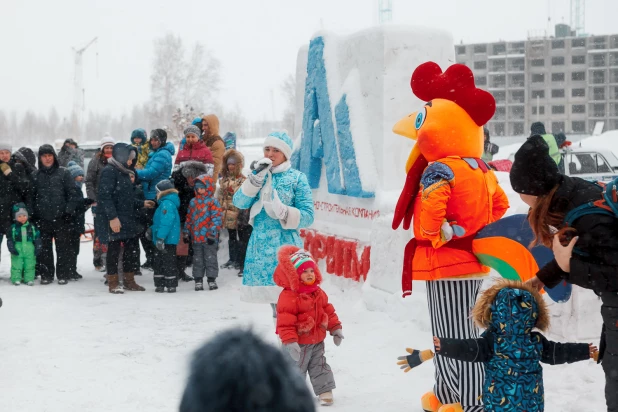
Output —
<point x="293" y="220"/>
<point x="248" y="189"/>
<point x="272" y="141"/>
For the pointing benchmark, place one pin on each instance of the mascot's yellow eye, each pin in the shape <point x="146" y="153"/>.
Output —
<point x="420" y="118"/>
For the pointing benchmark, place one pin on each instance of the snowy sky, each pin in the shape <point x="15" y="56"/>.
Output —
<point x="256" y="40"/>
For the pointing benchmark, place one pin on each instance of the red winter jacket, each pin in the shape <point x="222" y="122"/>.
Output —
<point x="198" y="152"/>
<point x="301" y="317"/>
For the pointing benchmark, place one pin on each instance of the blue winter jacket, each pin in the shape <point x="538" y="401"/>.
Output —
<point x="159" y="167"/>
<point x="269" y="234"/>
<point x="512" y="352"/>
<point x="166" y="223"/>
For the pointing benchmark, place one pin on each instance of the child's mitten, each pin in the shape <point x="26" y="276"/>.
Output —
<point x="337" y="336"/>
<point x="414" y="359"/>
<point x="11" y="246"/>
<point x="294" y="350"/>
<point x="160" y="244"/>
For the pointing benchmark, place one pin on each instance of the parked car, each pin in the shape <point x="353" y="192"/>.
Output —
<point x="595" y="165"/>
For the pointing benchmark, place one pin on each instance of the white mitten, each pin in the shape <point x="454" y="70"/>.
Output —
<point x="257" y="179"/>
<point x="279" y="209"/>
<point x="337" y="337"/>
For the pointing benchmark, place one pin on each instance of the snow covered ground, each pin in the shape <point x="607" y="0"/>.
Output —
<point x="79" y="348"/>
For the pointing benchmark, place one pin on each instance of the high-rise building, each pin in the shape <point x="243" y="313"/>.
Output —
<point x="569" y="83"/>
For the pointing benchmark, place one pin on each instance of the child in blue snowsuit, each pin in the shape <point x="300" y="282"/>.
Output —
<point x="24" y="243"/>
<point x="165" y="234"/>
<point x="510" y="350"/>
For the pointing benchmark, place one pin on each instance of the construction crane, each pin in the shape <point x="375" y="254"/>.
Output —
<point x="385" y="11"/>
<point x="79" y="102"/>
<point x="578" y="17"/>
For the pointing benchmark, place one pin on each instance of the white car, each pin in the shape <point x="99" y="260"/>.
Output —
<point x="595" y="165"/>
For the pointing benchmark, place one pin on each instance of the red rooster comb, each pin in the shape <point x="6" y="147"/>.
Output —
<point x="455" y="84"/>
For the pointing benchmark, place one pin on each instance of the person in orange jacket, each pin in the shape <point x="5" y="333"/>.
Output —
<point x="303" y="317"/>
<point x="451" y="194"/>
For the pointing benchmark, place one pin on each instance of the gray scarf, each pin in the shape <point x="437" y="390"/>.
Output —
<point x="119" y="166"/>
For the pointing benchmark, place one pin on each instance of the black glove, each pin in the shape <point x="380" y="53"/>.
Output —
<point x="160" y="244"/>
<point x="11" y="246"/>
<point x="186" y="238"/>
<point x="210" y="241"/>
<point x="148" y="234"/>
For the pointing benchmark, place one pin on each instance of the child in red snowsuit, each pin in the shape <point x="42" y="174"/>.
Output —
<point x="303" y="317"/>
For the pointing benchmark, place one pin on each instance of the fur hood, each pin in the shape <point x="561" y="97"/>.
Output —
<point x="482" y="312"/>
<point x="193" y="168"/>
<point x="240" y="161"/>
<point x="164" y="193"/>
<point x="285" y="274"/>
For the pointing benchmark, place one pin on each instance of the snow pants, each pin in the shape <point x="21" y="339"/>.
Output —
<point x="54" y="232"/>
<point x="165" y="267"/>
<point x="23" y="265"/>
<point x="313" y="361"/>
<point x="450" y="304"/>
<point x="609" y="342"/>
<point x="233" y="244"/>
<point x="101" y="238"/>
<point x="205" y="261"/>
<point x="74" y="244"/>
<point x="244" y="234"/>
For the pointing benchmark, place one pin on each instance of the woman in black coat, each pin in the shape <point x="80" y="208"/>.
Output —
<point x="120" y="206"/>
<point x="586" y="253"/>
<point x="13" y="188"/>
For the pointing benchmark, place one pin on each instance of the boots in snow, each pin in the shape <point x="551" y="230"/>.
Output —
<point x="430" y="402"/>
<point x="451" y="407"/>
<point x="185" y="278"/>
<point x="129" y="282"/>
<point x="212" y="284"/>
<point x="199" y="285"/>
<point x="46" y="281"/>
<point x="171" y="290"/>
<point x="236" y="265"/>
<point x="113" y="285"/>
<point x="241" y="271"/>
<point x="63" y="282"/>
<point x="227" y="265"/>
<point x="31" y="283"/>
<point x="17" y="283"/>
<point x="159" y="289"/>
<point x="326" y="398"/>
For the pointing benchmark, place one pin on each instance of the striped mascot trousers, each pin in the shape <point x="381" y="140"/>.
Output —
<point x="450" y="305"/>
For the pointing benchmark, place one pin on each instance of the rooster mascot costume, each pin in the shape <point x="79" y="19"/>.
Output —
<point x="451" y="194"/>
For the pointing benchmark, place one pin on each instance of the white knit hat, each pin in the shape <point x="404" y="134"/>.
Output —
<point x="281" y="141"/>
<point x="107" y="140"/>
<point x="5" y="146"/>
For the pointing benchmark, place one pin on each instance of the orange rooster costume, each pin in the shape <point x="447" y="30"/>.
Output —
<point x="451" y="194"/>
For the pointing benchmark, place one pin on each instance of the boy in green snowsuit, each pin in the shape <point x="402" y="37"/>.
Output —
<point x="24" y="243"/>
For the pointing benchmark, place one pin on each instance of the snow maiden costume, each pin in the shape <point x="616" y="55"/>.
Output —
<point x="452" y="194"/>
<point x="280" y="191"/>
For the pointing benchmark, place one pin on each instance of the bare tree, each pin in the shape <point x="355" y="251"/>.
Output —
<point x="202" y="78"/>
<point x="288" y="90"/>
<point x="167" y="78"/>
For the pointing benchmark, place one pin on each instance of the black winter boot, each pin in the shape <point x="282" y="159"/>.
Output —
<point x="212" y="284"/>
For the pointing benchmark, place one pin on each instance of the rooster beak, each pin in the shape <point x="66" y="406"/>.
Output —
<point x="406" y="127"/>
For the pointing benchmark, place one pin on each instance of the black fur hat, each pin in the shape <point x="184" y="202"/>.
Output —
<point x="534" y="172"/>
<point x="238" y="372"/>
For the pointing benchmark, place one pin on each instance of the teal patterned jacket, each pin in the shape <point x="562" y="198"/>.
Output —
<point x="269" y="234"/>
<point x="512" y="354"/>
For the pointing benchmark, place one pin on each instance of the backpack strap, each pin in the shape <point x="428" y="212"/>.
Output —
<point x="590" y="208"/>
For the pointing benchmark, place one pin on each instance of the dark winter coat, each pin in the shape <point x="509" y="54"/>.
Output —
<point x="93" y="175"/>
<point x="510" y="350"/>
<point x="78" y="223"/>
<point x="68" y="154"/>
<point x="118" y="198"/>
<point x="158" y="168"/>
<point x="594" y="263"/>
<point x="188" y="169"/>
<point x="14" y="188"/>
<point x="54" y="197"/>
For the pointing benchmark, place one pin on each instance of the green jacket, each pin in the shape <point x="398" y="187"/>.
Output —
<point x="554" y="151"/>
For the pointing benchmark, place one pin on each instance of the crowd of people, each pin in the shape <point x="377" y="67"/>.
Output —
<point x="138" y="192"/>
